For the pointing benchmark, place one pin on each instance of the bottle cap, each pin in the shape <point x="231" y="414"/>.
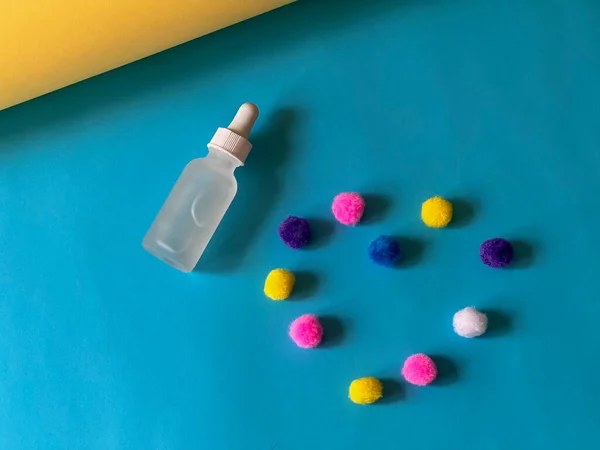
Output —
<point x="234" y="138"/>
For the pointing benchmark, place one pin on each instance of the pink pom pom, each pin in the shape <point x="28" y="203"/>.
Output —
<point x="419" y="369"/>
<point x="306" y="331"/>
<point x="348" y="208"/>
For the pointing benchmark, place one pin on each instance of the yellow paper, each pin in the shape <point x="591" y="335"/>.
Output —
<point x="49" y="44"/>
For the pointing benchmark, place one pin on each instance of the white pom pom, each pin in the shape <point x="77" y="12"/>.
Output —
<point x="469" y="322"/>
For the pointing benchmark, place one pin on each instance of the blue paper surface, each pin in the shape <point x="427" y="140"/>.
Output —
<point x="493" y="104"/>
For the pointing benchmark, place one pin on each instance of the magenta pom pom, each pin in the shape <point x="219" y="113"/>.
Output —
<point x="306" y="331"/>
<point x="348" y="208"/>
<point x="419" y="369"/>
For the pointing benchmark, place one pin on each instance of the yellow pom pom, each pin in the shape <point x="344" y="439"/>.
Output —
<point x="436" y="212"/>
<point x="365" y="391"/>
<point x="279" y="284"/>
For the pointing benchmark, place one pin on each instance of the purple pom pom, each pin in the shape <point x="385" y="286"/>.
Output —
<point x="295" y="232"/>
<point x="496" y="252"/>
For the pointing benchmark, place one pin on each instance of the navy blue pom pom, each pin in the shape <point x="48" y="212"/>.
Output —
<point x="385" y="250"/>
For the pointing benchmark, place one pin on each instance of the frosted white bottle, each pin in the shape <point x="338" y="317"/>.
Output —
<point x="199" y="200"/>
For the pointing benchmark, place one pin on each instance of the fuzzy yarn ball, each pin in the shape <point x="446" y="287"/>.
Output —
<point x="306" y="331"/>
<point x="348" y="208"/>
<point x="295" y="232"/>
<point x="385" y="250"/>
<point x="279" y="284"/>
<point x="436" y="212"/>
<point x="496" y="252"/>
<point x="365" y="391"/>
<point x="419" y="369"/>
<point x="469" y="322"/>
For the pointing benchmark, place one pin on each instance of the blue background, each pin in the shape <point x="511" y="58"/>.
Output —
<point x="491" y="103"/>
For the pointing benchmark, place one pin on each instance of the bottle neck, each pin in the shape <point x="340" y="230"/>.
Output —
<point x="222" y="160"/>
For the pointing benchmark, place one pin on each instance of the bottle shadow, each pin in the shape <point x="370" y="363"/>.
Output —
<point x="259" y="184"/>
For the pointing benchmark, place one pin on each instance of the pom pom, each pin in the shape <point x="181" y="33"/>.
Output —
<point x="348" y="208"/>
<point x="469" y="322"/>
<point x="365" y="391"/>
<point x="295" y="232"/>
<point x="279" y="284"/>
<point x="385" y="250"/>
<point x="419" y="369"/>
<point x="306" y="331"/>
<point x="496" y="252"/>
<point x="436" y="212"/>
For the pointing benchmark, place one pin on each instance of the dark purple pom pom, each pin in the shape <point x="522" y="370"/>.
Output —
<point x="295" y="232"/>
<point x="496" y="252"/>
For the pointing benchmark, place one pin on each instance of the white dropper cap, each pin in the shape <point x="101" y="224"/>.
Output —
<point x="234" y="138"/>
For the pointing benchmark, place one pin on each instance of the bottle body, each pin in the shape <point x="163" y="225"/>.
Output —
<point x="192" y="212"/>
